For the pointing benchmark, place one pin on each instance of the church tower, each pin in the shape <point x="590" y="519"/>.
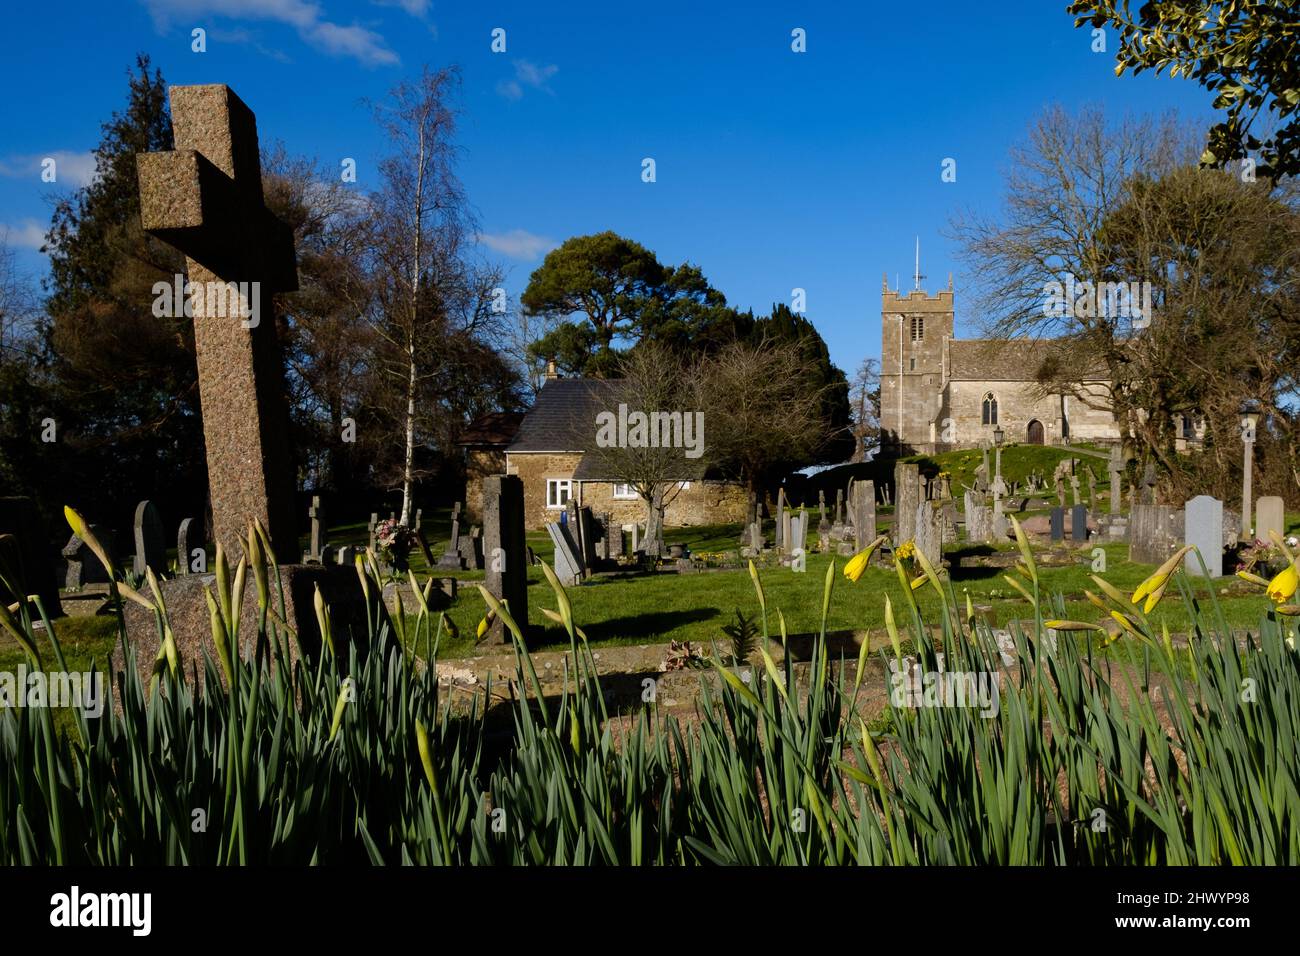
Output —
<point x="915" y="332"/>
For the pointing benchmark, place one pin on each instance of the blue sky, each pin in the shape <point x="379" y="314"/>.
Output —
<point x="775" y="169"/>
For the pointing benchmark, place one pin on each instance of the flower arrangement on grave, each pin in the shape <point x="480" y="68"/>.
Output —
<point x="1261" y="558"/>
<point x="393" y="543"/>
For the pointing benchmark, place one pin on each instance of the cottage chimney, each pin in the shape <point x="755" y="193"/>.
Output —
<point x="551" y="373"/>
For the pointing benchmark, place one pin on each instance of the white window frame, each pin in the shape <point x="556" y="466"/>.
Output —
<point x="553" y="488"/>
<point x="623" y="491"/>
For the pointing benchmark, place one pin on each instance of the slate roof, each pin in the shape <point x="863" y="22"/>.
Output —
<point x="1005" y="360"/>
<point x="492" y="429"/>
<point x="563" y="418"/>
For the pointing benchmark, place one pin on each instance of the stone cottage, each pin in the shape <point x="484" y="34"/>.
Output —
<point x="549" y="453"/>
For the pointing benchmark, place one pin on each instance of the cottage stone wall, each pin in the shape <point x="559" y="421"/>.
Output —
<point x="534" y="469"/>
<point x="703" y="502"/>
<point x="480" y="463"/>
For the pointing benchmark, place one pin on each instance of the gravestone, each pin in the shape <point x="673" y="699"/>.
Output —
<point x="183" y="547"/>
<point x="416" y="524"/>
<point x="347" y="555"/>
<point x="907" y="495"/>
<point x="205" y="199"/>
<point x="780" y="520"/>
<point x="979" y="521"/>
<point x="754" y="545"/>
<point x="1269" y="516"/>
<point x="567" y="564"/>
<point x="864" y="513"/>
<point x="150" y="545"/>
<point x="451" y="559"/>
<point x="587" y="540"/>
<point x="471" y="548"/>
<point x="1058" y="524"/>
<point x="83" y="566"/>
<point x="1060" y="490"/>
<point x="372" y="528"/>
<point x="839" y="507"/>
<point x="504" y="550"/>
<point x="1116" y="468"/>
<point x="613" y="537"/>
<point x="1074" y="489"/>
<point x="1203" y="528"/>
<point x="1079" y="523"/>
<point x="1154" y="532"/>
<point x="928" y="536"/>
<point x="316" y="551"/>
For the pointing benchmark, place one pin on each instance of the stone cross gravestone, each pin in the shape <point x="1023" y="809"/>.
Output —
<point x="1269" y="516"/>
<point x="316" y="552"/>
<point x="1203" y="528"/>
<point x="150" y="545"/>
<point x="451" y="558"/>
<point x="780" y="520"/>
<point x="205" y="199"/>
<point x="1116" y="468"/>
<point x="504" y="550"/>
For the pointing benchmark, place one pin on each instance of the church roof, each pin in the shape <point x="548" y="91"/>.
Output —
<point x="1006" y="360"/>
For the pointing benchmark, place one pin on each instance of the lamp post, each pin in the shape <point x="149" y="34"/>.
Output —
<point x="1249" y="419"/>
<point x="998" y="436"/>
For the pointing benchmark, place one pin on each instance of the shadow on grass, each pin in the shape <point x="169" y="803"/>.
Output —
<point x="645" y="627"/>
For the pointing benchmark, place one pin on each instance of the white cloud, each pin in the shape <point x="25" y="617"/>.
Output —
<point x="416" y="8"/>
<point x="518" y="243"/>
<point x="71" y="168"/>
<point x="527" y="74"/>
<point x="29" y="234"/>
<point x="366" y="46"/>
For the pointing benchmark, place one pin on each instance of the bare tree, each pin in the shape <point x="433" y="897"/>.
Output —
<point x="762" y="416"/>
<point x="655" y="383"/>
<point x="864" y="404"/>
<point x="428" y="288"/>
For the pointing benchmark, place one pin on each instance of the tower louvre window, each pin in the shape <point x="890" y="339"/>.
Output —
<point x="918" y="328"/>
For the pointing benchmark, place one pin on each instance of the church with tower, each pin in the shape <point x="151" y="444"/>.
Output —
<point x="940" y="393"/>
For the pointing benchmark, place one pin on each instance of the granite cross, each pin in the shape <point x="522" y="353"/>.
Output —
<point x="205" y="199"/>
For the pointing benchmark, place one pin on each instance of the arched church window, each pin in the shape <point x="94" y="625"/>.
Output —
<point x="990" y="416"/>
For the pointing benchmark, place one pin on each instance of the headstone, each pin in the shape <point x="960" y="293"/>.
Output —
<point x="567" y="564"/>
<point x="1074" y="489"/>
<point x="863" y="505"/>
<point x="184" y="546"/>
<point x="839" y="507"/>
<point x="1079" y="523"/>
<point x="982" y="472"/>
<point x="205" y="199"/>
<point x="504" y="550"/>
<point x="587" y="539"/>
<point x="614" y="537"/>
<point x="821" y="507"/>
<point x="75" y="553"/>
<point x="754" y="546"/>
<point x="781" y="528"/>
<point x="928" y="536"/>
<point x="418" y="522"/>
<point x="1154" y="533"/>
<point x="347" y="555"/>
<point x="1269" y="516"/>
<point x="1058" y="524"/>
<point x="907" y="495"/>
<point x="372" y="528"/>
<point x="471" y="548"/>
<point x="1060" y="490"/>
<point x="1203" y="528"/>
<point x="150" y="545"/>
<point x="979" y="520"/>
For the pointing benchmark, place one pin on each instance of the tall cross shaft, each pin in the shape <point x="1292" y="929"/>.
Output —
<point x="205" y="199"/>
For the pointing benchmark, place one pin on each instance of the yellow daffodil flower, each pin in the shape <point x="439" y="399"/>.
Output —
<point x="1283" y="587"/>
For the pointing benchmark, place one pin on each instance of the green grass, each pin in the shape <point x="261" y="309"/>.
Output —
<point x="1018" y="463"/>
